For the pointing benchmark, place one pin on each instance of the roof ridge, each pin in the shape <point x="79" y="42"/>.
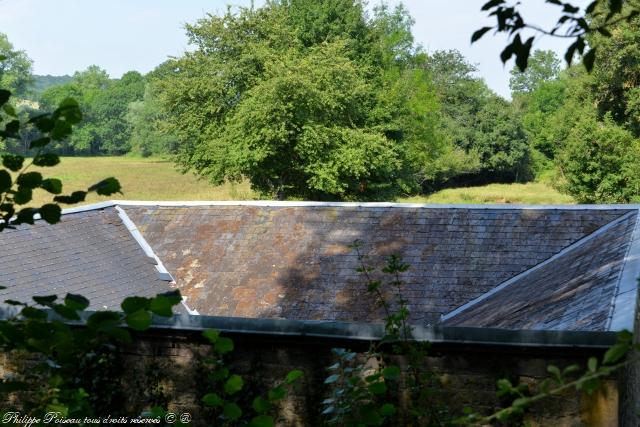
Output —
<point x="275" y="203"/>
<point x="578" y="243"/>
<point x="163" y="273"/>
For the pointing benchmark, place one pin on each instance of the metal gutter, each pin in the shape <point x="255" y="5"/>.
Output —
<point x="525" y="273"/>
<point x="273" y="203"/>
<point x="365" y="332"/>
<point x="624" y="303"/>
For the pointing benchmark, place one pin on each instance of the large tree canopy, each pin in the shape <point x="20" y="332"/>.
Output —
<point x="305" y="99"/>
<point x="15" y="68"/>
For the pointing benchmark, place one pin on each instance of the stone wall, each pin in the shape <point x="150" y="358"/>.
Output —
<point x="166" y="366"/>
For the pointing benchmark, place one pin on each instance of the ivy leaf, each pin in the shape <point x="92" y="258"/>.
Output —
<point x="212" y="399"/>
<point x="391" y="372"/>
<point x="261" y="405"/>
<point x="332" y="379"/>
<point x="231" y="411"/>
<point x="378" y="388"/>
<point x="262" y="421"/>
<point x="615" y="353"/>
<point x="293" y="376"/>
<point x="223" y="345"/>
<point x="387" y="410"/>
<point x="276" y="393"/>
<point x="233" y="385"/>
<point x="212" y="335"/>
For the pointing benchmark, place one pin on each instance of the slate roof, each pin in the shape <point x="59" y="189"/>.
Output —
<point x="552" y="268"/>
<point x="295" y="261"/>
<point x="574" y="290"/>
<point x="89" y="253"/>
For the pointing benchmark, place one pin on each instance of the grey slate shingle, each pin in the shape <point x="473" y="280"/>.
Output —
<point x="89" y="253"/>
<point x="294" y="262"/>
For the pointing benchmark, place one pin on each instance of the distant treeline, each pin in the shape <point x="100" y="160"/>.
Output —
<point x="323" y="100"/>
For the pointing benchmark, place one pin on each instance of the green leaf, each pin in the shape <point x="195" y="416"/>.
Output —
<point x="133" y="304"/>
<point x="212" y="335"/>
<point x="4" y="95"/>
<point x="615" y="353"/>
<point x="174" y="297"/>
<point x="212" y="399"/>
<point x="12" y="162"/>
<point x="391" y="372"/>
<point x="370" y="416"/>
<point x="23" y="195"/>
<point x="138" y="320"/>
<point x="33" y="313"/>
<point x="276" y="393"/>
<point x="231" y="411"/>
<point x="233" y="385"/>
<point x="378" y="388"/>
<point x="12" y="128"/>
<point x="52" y="185"/>
<point x="223" y="345"/>
<point x="161" y="306"/>
<point x="30" y="179"/>
<point x="66" y="312"/>
<point x="261" y="405"/>
<point x="50" y="213"/>
<point x="262" y="421"/>
<point x="40" y="142"/>
<point x="387" y="410"/>
<point x="293" y="376"/>
<point x="46" y="160"/>
<point x="9" y="110"/>
<point x="106" y="187"/>
<point x="45" y="300"/>
<point x="76" y="302"/>
<point x="25" y="216"/>
<point x="588" y="59"/>
<point x="592" y="364"/>
<point x="75" y="197"/>
<point x="5" y="181"/>
<point x="477" y="35"/>
<point x="70" y="110"/>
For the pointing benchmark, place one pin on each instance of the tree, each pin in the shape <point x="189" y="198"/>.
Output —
<point x="105" y="104"/>
<point x="15" y="68"/>
<point x="544" y="66"/>
<point x="304" y="101"/>
<point x="600" y="162"/>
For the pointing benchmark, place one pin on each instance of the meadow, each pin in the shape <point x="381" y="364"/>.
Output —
<point x="158" y="179"/>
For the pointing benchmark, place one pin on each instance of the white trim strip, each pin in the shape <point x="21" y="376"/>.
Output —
<point x="274" y="203"/>
<point x="624" y="303"/>
<point x="516" y="278"/>
<point x="164" y="273"/>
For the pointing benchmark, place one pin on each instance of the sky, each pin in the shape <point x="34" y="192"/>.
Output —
<point x="64" y="36"/>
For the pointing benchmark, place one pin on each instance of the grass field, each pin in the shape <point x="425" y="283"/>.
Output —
<point x="157" y="179"/>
